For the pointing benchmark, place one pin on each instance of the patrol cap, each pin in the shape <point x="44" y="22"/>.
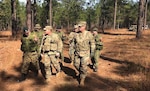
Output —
<point x="95" y="29"/>
<point x="76" y="26"/>
<point x="37" y="26"/>
<point x="82" y="23"/>
<point x="48" y="28"/>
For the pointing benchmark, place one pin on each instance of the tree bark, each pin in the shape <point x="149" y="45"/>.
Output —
<point x="115" y="13"/>
<point x="145" y="14"/>
<point x="140" y="19"/>
<point x="14" y="18"/>
<point x="50" y="12"/>
<point x="29" y="14"/>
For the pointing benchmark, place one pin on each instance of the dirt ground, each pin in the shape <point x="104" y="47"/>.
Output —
<point x="106" y="79"/>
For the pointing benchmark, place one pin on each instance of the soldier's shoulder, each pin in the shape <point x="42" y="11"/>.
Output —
<point x="88" y="33"/>
<point x="54" y="34"/>
<point x="72" y="33"/>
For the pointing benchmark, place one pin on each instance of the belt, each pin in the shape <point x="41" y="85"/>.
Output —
<point x="30" y="51"/>
<point x="33" y="51"/>
<point x="46" y="51"/>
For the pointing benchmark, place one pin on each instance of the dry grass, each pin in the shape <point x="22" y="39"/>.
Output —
<point x="134" y="55"/>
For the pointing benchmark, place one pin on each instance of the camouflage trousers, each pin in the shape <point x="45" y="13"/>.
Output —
<point x="72" y="54"/>
<point x="49" y="61"/>
<point x="80" y="64"/>
<point x="96" y="58"/>
<point x="30" y="61"/>
<point x="62" y="56"/>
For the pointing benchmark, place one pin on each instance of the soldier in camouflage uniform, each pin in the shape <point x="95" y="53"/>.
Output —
<point x="62" y="36"/>
<point x="71" y="43"/>
<point x="51" y="48"/>
<point x="99" y="47"/>
<point x="84" y="48"/>
<point x="29" y="47"/>
<point x="39" y="32"/>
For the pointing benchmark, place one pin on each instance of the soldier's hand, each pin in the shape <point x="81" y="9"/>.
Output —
<point x="41" y="55"/>
<point x="57" y="54"/>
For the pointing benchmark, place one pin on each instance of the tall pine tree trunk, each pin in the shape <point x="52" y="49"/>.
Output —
<point x="115" y="13"/>
<point x="14" y="18"/>
<point x="145" y="14"/>
<point x="29" y="14"/>
<point x="50" y="12"/>
<point x="140" y="19"/>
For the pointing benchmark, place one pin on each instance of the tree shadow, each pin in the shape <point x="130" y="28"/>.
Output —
<point x="96" y="83"/>
<point x="69" y="71"/>
<point x="108" y="33"/>
<point x="67" y="60"/>
<point x="38" y="79"/>
<point x="127" y="67"/>
<point x="5" y="77"/>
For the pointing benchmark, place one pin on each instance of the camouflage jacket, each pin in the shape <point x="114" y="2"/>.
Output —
<point x="39" y="35"/>
<point x="98" y="43"/>
<point x="28" y="43"/>
<point x="71" y="38"/>
<point x="52" y="43"/>
<point x="61" y="35"/>
<point x="84" y="43"/>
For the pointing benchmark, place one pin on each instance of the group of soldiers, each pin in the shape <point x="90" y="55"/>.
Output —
<point x="46" y="48"/>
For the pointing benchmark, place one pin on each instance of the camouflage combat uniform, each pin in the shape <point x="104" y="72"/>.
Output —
<point x="72" y="35"/>
<point x="72" y="45"/>
<point x="52" y="44"/>
<point x="30" y="56"/>
<point x="39" y="32"/>
<point x="84" y="43"/>
<point x="62" y="37"/>
<point x="99" y="46"/>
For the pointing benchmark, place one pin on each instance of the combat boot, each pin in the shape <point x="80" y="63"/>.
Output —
<point x="82" y="82"/>
<point x="95" y="69"/>
<point x="23" y="77"/>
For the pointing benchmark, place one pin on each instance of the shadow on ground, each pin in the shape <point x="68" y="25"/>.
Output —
<point x="95" y="83"/>
<point x="115" y="34"/>
<point x="127" y="67"/>
<point x="5" y="77"/>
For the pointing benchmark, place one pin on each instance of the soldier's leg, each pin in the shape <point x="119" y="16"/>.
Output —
<point x="47" y="66"/>
<point x="96" y="57"/>
<point x="77" y="65"/>
<point x="77" y="62"/>
<point x="55" y="62"/>
<point x="62" y="57"/>
<point x="25" y="64"/>
<point x="72" y="58"/>
<point x="25" y="67"/>
<point x="71" y="55"/>
<point x="83" y="69"/>
<point x="35" y="63"/>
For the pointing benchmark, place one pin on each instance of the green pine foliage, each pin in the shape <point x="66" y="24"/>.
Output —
<point x="69" y="12"/>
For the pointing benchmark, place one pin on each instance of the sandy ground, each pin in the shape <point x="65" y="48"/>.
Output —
<point x="106" y="79"/>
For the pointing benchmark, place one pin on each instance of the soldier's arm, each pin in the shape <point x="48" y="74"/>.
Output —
<point x="70" y="37"/>
<point x="92" y="42"/>
<point x="59" y="44"/>
<point x="21" y="44"/>
<point x="63" y="36"/>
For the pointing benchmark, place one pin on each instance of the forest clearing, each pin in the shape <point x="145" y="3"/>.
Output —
<point x="124" y="65"/>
